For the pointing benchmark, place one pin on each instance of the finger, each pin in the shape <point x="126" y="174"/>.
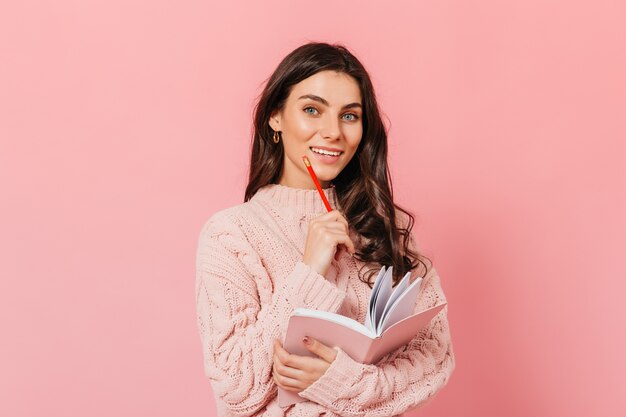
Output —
<point x="285" y="382"/>
<point x="329" y="221"/>
<point x="323" y="351"/>
<point x="339" y="252"/>
<point x="297" y="362"/>
<point x="278" y="346"/>
<point x="338" y="226"/>
<point x="349" y="244"/>
<point x="339" y="238"/>
<point x="340" y="217"/>
<point x="288" y="371"/>
<point x="332" y="215"/>
<point x="280" y="352"/>
<point x="284" y="357"/>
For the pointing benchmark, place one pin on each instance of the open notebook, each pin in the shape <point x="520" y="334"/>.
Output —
<point x="389" y="324"/>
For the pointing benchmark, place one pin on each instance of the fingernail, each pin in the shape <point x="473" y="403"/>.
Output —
<point x="306" y="340"/>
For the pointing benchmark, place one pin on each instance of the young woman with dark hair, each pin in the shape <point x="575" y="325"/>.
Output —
<point x="280" y="249"/>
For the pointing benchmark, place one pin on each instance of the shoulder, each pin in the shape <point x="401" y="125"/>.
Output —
<point x="222" y="236"/>
<point x="243" y="221"/>
<point x="226" y="221"/>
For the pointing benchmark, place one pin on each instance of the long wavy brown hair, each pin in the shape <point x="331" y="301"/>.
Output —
<point x="364" y="187"/>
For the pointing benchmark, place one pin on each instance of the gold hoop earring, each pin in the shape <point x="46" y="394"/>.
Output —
<point x="276" y="137"/>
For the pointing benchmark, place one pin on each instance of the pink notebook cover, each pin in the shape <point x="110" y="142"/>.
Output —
<point x="358" y="346"/>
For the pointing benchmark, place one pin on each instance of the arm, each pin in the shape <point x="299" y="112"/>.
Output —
<point x="405" y="379"/>
<point x="237" y="330"/>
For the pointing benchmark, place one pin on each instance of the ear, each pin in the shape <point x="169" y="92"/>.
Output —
<point x="274" y="121"/>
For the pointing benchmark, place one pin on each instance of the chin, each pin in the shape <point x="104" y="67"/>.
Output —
<point x="327" y="173"/>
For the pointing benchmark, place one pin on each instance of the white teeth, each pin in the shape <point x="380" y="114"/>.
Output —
<point x="323" y="152"/>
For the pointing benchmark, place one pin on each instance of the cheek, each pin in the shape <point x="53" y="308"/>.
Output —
<point x="354" y="136"/>
<point x="302" y="126"/>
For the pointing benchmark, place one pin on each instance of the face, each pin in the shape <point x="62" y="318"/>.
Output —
<point x="322" y="114"/>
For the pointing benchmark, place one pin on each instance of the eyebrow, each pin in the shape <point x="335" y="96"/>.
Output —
<point x="323" y="101"/>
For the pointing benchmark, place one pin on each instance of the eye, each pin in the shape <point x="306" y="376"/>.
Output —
<point x="355" y="117"/>
<point x="312" y="108"/>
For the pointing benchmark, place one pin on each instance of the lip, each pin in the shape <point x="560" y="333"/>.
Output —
<point x="326" y="148"/>
<point x="325" y="159"/>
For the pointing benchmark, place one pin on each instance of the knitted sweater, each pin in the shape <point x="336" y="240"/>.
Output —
<point x="250" y="276"/>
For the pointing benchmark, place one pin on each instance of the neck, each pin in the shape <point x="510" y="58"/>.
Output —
<point x="302" y="200"/>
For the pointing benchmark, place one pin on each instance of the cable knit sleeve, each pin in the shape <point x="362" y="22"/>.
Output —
<point x="406" y="379"/>
<point x="403" y="380"/>
<point x="237" y="330"/>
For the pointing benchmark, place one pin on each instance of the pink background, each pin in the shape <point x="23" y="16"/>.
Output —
<point x="125" y="124"/>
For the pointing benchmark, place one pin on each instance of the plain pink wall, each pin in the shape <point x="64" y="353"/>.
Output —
<point x="120" y="119"/>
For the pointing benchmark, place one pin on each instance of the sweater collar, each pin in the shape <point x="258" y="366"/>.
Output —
<point x="304" y="201"/>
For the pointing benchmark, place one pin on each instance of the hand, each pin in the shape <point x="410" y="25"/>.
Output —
<point x="294" y="372"/>
<point x="325" y="234"/>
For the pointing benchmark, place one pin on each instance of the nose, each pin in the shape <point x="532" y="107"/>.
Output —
<point x="331" y="129"/>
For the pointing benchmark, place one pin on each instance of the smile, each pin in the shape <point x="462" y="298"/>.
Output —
<point x="323" y="152"/>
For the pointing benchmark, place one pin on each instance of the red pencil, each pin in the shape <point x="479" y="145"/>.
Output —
<point x="317" y="183"/>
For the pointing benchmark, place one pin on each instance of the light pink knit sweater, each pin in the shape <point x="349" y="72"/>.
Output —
<point x="250" y="277"/>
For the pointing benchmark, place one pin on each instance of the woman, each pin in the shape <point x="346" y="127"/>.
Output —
<point x="280" y="250"/>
